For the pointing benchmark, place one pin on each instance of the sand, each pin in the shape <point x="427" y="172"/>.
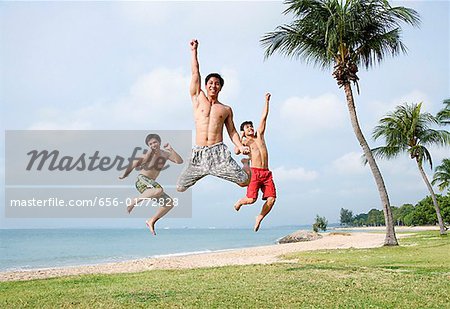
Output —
<point x="400" y="229"/>
<point x="254" y="255"/>
<point x="246" y="256"/>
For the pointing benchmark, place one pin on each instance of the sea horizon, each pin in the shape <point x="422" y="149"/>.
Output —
<point x="38" y="248"/>
<point x="246" y="227"/>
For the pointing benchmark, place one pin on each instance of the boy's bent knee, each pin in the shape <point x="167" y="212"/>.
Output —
<point x="159" y="191"/>
<point x="271" y="200"/>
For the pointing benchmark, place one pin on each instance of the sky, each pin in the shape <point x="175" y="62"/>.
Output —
<point x="126" y="66"/>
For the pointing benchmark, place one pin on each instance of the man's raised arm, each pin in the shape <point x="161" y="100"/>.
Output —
<point x="262" y="124"/>
<point x="195" y="87"/>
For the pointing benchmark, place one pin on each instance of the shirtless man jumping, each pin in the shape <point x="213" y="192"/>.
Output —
<point x="261" y="175"/>
<point x="211" y="156"/>
<point x="150" y="165"/>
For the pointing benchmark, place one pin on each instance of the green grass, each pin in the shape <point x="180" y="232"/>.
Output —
<point x="414" y="275"/>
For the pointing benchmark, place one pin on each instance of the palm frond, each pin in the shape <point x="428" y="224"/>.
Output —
<point x="442" y="175"/>
<point x="408" y="129"/>
<point x="325" y="32"/>
<point x="377" y="47"/>
<point x="293" y="42"/>
<point x="421" y="153"/>
<point x="386" y="152"/>
<point x="435" y="137"/>
<point x="444" y="115"/>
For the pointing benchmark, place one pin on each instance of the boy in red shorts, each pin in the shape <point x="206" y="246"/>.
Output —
<point x="259" y="162"/>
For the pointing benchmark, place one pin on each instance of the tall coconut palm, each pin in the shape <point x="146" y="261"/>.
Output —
<point x="409" y="130"/>
<point x="444" y="114"/>
<point x="345" y="35"/>
<point x="442" y="175"/>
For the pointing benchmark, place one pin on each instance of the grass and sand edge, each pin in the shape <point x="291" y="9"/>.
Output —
<point x="416" y="273"/>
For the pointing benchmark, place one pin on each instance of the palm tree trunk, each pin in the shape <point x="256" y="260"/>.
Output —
<point x="433" y="197"/>
<point x="391" y="239"/>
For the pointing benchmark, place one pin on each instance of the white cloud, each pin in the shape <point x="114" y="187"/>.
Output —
<point x="231" y="87"/>
<point x="145" y="13"/>
<point x="76" y="125"/>
<point x="350" y="163"/>
<point x="314" y="114"/>
<point x="415" y="96"/>
<point x="379" y="109"/>
<point x="401" y="165"/>
<point x="158" y="99"/>
<point x="438" y="154"/>
<point x="297" y="174"/>
<point x="354" y="191"/>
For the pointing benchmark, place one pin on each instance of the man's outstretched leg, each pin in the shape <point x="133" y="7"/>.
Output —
<point x="252" y="187"/>
<point x="161" y="212"/>
<point x="247" y="170"/>
<point x="267" y="207"/>
<point x="148" y="193"/>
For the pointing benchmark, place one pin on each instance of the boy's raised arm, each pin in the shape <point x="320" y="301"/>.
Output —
<point x="262" y="124"/>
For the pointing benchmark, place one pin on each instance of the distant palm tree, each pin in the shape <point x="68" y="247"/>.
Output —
<point x="442" y="175"/>
<point x="408" y="130"/>
<point x="345" y="34"/>
<point x="444" y="114"/>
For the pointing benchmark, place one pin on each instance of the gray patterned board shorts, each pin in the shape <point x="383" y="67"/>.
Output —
<point x="143" y="183"/>
<point x="213" y="160"/>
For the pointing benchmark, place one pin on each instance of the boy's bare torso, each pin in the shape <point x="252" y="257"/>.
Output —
<point x="259" y="157"/>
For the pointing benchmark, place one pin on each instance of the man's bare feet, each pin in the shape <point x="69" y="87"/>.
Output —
<point x="151" y="225"/>
<point x="132" y="205"/>
<point x="259" y="218"/>
<point x="237" y="206"/>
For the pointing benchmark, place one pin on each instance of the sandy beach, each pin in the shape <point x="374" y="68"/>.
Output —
<point x="254" y="255"/>
<point x="366" y="237"/>
<point x="400" y="229"/>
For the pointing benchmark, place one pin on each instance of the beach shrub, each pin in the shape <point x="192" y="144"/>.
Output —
<point x="320" y="224"/>
<point x="346" y="217"/>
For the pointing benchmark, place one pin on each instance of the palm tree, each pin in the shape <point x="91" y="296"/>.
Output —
<point x="442" y="175"/>
<point x="444" y="114"/>
<point x="408" y="130"/>
<point x="345" y="34"/>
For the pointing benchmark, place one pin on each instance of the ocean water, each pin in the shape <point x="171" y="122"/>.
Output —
<point x="43" y="248"/>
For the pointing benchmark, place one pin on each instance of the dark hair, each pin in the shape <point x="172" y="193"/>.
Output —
<point x="150" y="136"/>
<point x="216" y="75"/>
<point x="245" y="123"/>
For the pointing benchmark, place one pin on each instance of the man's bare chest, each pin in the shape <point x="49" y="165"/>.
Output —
<point x="214" y="111"/>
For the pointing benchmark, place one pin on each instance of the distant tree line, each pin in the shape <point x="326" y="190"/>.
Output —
<point x="423" y="213"/>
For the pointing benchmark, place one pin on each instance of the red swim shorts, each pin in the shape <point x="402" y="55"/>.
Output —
<point x="261" y="179"/>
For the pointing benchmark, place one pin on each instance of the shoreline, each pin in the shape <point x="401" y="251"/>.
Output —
<point x="337" y="238"/>
<point x="267" y="254"/>
<point x="400" y="229"/>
